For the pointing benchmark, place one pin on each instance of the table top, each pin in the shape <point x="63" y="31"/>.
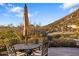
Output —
<point x="26" y="46"/>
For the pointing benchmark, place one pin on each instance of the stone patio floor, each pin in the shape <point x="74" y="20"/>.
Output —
<point x="63" y="51"/>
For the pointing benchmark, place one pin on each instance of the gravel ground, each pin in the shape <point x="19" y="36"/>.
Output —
<point x="63" y="51"/>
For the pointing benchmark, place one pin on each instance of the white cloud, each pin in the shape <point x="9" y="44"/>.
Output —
<point x="71" y="6"/>
<point x="7" y="5"/>
<point x="73" y="9"/>
<point x="19" y="12"/>
<point x="67" y="5"/>
<point x="16" y="9"/>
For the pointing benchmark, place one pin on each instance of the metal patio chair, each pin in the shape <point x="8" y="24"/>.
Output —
<point x="43" y="51"/>
<point x="12" y="52"/>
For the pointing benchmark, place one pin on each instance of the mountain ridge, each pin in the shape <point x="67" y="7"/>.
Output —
<point x="63" y="21"/>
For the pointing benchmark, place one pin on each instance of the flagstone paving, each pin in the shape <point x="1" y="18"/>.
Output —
<point x="63" y="51"/>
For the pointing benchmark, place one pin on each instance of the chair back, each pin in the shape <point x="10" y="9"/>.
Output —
<point x="11" y="50"/>
<point x="45" y="47"/>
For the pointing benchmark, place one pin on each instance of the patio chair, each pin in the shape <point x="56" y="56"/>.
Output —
<point x="12" y="52"/>
<point x="43" y="51"/>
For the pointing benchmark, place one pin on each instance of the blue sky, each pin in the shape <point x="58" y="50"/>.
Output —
<point x="39" y="13"/>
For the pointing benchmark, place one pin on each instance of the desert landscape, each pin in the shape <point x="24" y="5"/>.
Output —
<point x="57" y="38"/>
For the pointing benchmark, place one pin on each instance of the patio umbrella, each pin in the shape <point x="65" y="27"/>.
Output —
<point x="26" y="23"/>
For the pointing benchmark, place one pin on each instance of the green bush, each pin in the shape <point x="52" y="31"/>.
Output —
<point x="3" y="49"/>
<point x="56" y="36"/>
<point x="62" y="43"/>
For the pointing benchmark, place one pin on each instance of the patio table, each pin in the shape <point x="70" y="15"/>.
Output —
<point x="26" y="47"/>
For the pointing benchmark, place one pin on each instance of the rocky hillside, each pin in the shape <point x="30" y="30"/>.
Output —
<point x="63" y="23"/>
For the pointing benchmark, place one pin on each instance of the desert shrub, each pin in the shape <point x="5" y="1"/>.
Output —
<point x="33" y="40"/>
<point x="62" y="43"/>
<point x="7" y="34"/>
<point x="3" y="49"/>
<point x="56" y="36"/>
